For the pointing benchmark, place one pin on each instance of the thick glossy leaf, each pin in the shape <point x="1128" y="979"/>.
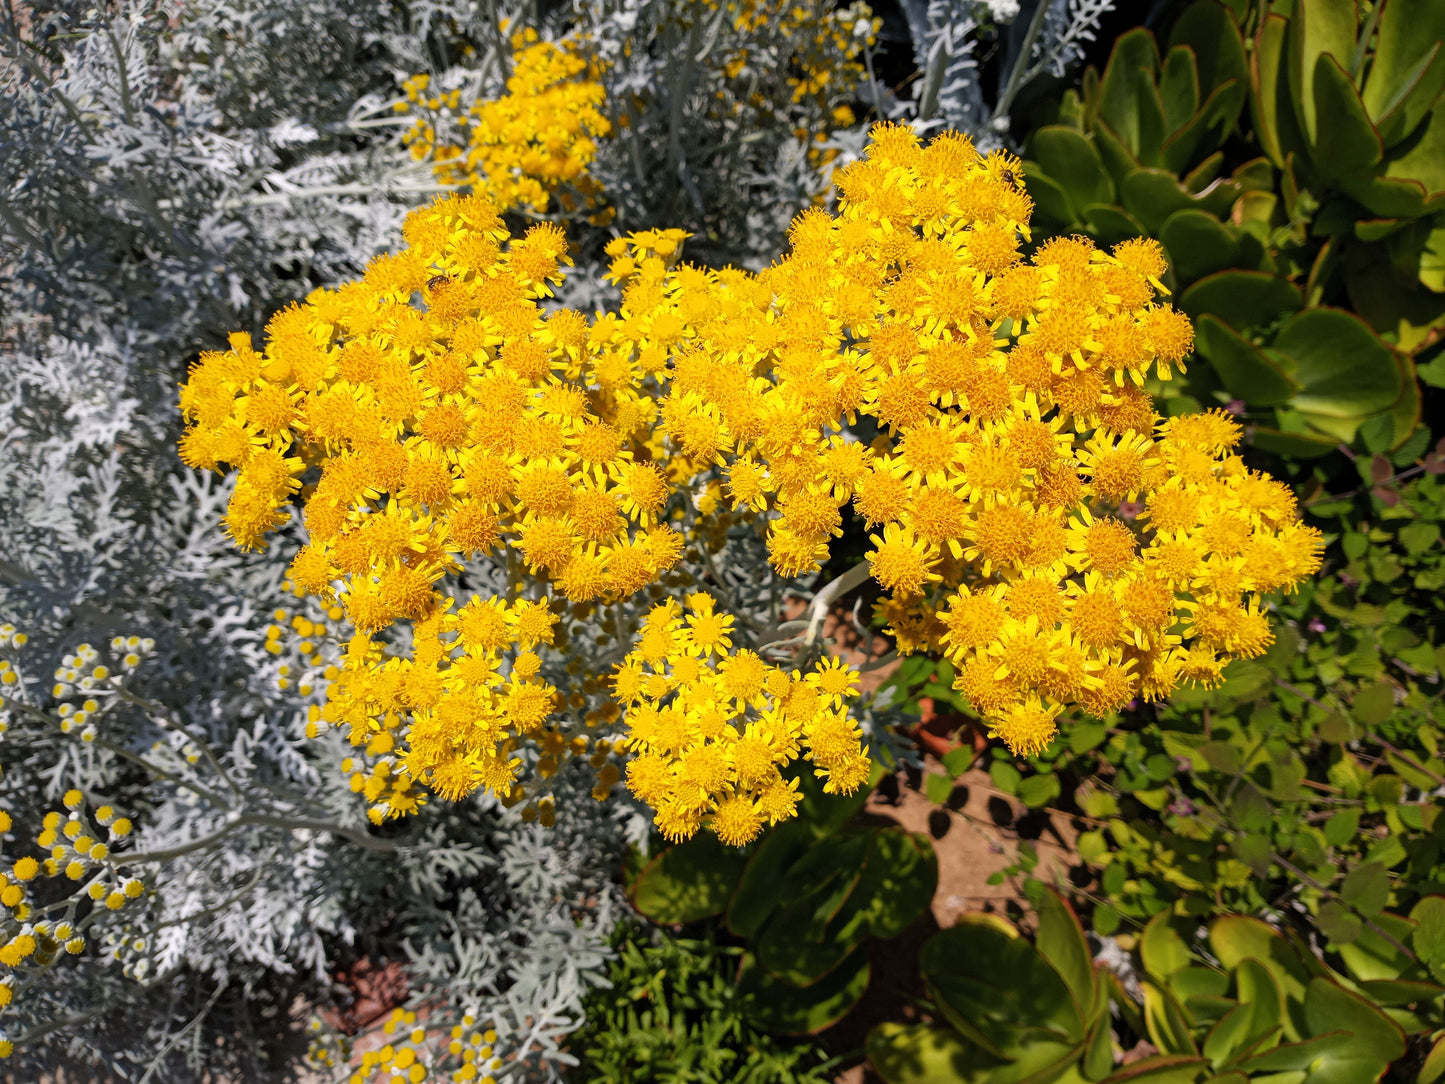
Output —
<point x="764" y="884"/>
<point x="1117" y="104"/>
<point x="1111" y="224"/>
<point x="1408" y="71"/>
<point x="1198" y="245"/>
<point x="1207" y="129"/>
<point x="1274" y="117"/>
<point x="898" y="882"/>
<point x="690" y="881"/>
<point x="1152" y="127"/>
<point x="1060" y="940"/>
<point x="798" y="943"/>
<point x="1330" y="1007"/>
<point x="1428" y="939"/>
<point x="1424" y="160"/>
<point x="1348" y="142"/>
<point x="1242" y="299"/>
<point x="988" y="985"/>
<point x="1341" y="366"/>
<point x="1099" y="1049"/>
<point x="1317" y="27"/>
<point x="1211" y="33"/>
<point x="786" y="1009"/>
<point x="1167" y="1022"/>
<point x="1398" y="992"/>
<point x="1178" y="87"/>
<point x="1071" y="161"/>
<point x="1254" y="1019"/>
<point x="1289" y="1057"/>
<point x="1392" y="197"/>
<point x="923" y="1054"/>
<point x="1235" y="938"/>
<point x="1434" y="1067"/>
<point x="1244" y="369"/>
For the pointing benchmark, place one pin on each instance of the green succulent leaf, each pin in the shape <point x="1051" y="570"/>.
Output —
<point x="781" y="1007"/>
<point x="1167" y="1022"/>
<point x="1161" y="1069"/>
<point x="1348" y="143"/>
<point x="1060" y="940"/>
<point x="987" y="984"/>
<point x="1317" y="28"/>
<point x="1244" y="369"/>
<point x="688" y="882"/>
<point x="764" y="885"/>
<point x="1071" y="160"/>
<point x="1117" y="104"/>
<point x="1198" y="244"/>
<point x="1274" y="116"/>
<point x="1342" y="368"/>
<point x="1242" y="299"/>
<point x="1235" y="938"/>
<point x="1408" y="71"/>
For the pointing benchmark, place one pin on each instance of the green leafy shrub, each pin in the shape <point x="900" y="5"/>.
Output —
<point x="1306" y="786"/>
<point x="674" y="1014"/>
<point x="1248" y="1004"/>
<point x="1309" y="253"/>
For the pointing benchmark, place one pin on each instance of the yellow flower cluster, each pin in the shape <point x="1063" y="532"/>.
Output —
<point x="413" y="1053"/>
<point x="33" y="935"/>
<point x="532" y="143"/>
<point x="1033" y="519"/>
<point x="461" y="713"/>
<point x="1015" y="441"/>
<point x="712" y="728"/>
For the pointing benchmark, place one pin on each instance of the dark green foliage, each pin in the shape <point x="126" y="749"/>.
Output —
<point x="674" y="1014"/>
<point x="804" y="899"/>
<point x="1247" y="1004"/>
<point x="1290" y="158"/>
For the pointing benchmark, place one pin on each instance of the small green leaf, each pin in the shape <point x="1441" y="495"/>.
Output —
<point x="1374" y="703"/>
<point x="1005" y="776"/>
<point x="937" y="788"/>
<point x="1419" y="536"/>
<point x="1039" y="790"/>
<point x="1428" y="938"/>
<point x="1338" y="923"/>
<point x="1342" y="826"/>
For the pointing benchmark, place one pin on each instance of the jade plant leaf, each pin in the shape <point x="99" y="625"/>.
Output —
<point x="1060" y="940"/>
<point x="1167" y="1022"/>
<point x="987" y="983"/>
<point x="1117" y="104"/>
<point x="1163" y="947"/>
<point x="1342" y="368"/>
<point x="899" y="878"/>
<point x="1408" y="71"/>
<point x="1274" y="117"/>
<point x="1317" y="28"/>
<point x="1070" y="159"/>
<point x="1377" y="1040"/>
<point x="1242" y="299"/>
<point x="1162" y="1069"/>
<point x="1198" y="245"/>
<point x="1235" y="938"/>
<point x="1244" y="369"/>
<point x="1348" y="143"/>
<point x="688" y="882"/>
<point x="803" y="1010"/>
<point x="923" y="1054"/>
<point x="763" y="885"/>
